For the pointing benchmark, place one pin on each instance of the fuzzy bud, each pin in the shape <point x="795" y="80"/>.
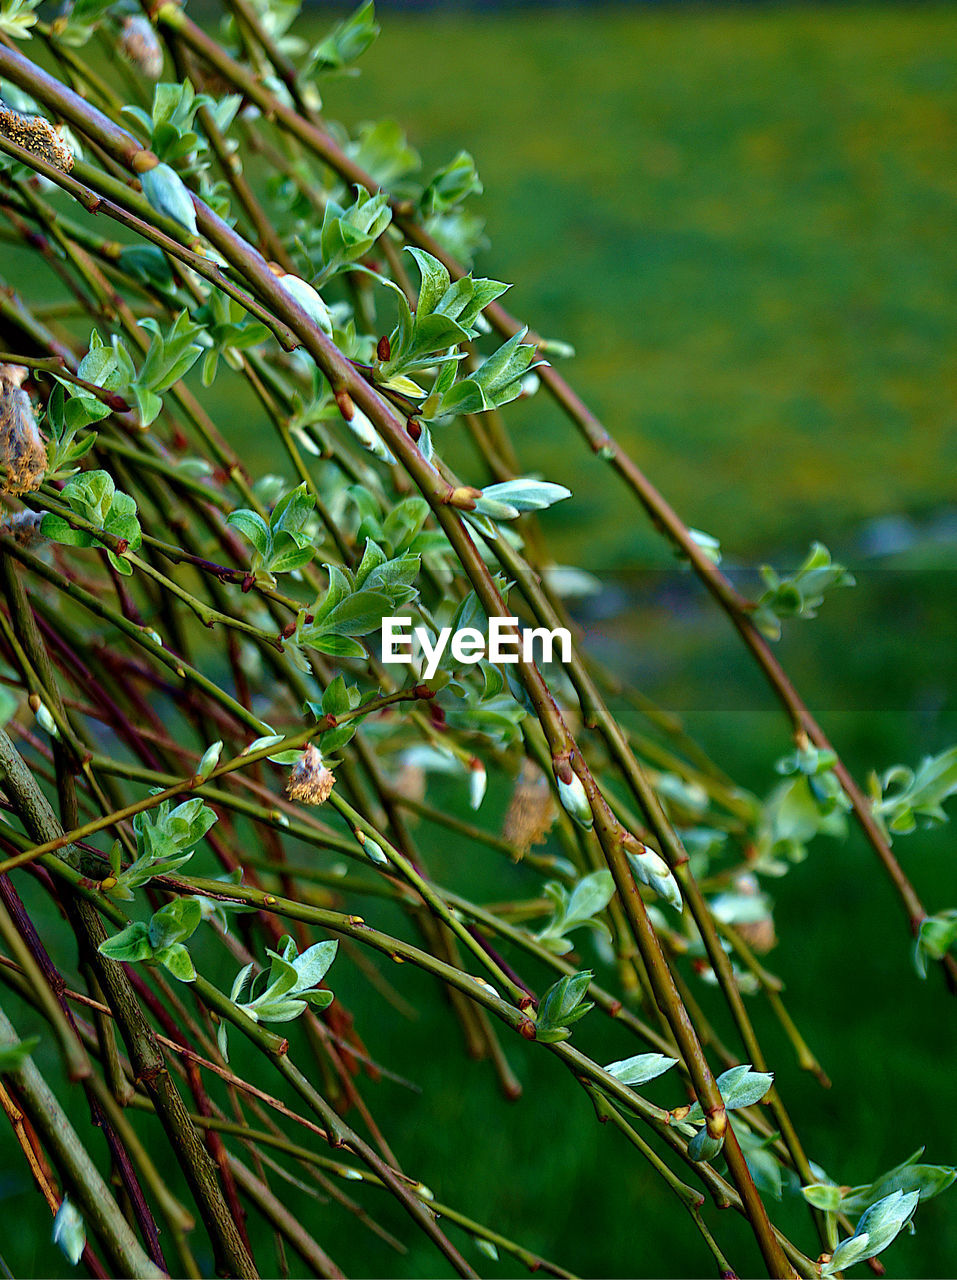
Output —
<point x="139" y="43"/>
<point x="23" y="451"/>
<point x="363" y="430"/>
<point x="478" y="782"/>
<point x="306" y="296"/>
<point x="38" y="136"/>
<point x="651" y="869"/>
<point x="166" y="192"/>
<point x="310" y="781"/>
<point x="571" y="792"/>
<point x="43" y="716"/>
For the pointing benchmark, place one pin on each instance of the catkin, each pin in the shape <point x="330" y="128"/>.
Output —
<point x="310" y="781"/>
<point x="531" y="811"/>
<point x="24" y="527"/>
<point x="38" y="136"/>
<point x="139" y="42"/>
<point x="23" y="451"/>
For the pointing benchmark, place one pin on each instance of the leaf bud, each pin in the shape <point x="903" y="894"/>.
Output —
<point x="371" y="848"/>
<point x="464" y="497"/>
<point x="209" y="761"/>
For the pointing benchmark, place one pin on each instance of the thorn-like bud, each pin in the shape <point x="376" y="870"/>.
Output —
<point x="310" y="781"/>
<point x="383" y="349"/>
<point x="38" y="136"/>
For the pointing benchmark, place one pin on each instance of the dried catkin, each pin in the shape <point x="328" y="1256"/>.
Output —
<point x="38" y="136"/>
<point x="23" y="451"/>
<point x="531" y="811"/>
<point x="139" y="42"/>
<point x="310" y="781"/>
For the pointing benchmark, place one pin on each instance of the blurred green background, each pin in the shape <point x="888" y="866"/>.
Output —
<point x="743" y="219"/>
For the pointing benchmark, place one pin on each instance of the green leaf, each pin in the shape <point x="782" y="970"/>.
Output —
<point x="434" y="282"/>
<point x="253" y="528"/>
<point x="348" y="234"/>
<point x="801" y="594"/>
<point x="762" y="1164"/>
<point x="740" y="1087"/>
<point x="314" y="963"/>
<point x="338" y="698"/>
<point x="346" y="41"/>
<point x="912" y="796"/>
<point x="561" y="1006"/>
<point x="382" y="150"/>
<point x="823" y="1195"/>
<point x="928" y="1180"/>
<point x="178" y="961"/>
<point x="149" y="265"/>
<point x="641" y="1069"/>
<point x="935" y="938"/>
<point x="91" y="495"/>
<point x="372" y="558"/>
<point x="17" y="17"/>
<point x="56" y="529"/>
<point x="357" y="615"/>
<point x="703" y="1147"/>
<point x="128" y="946"/>
<point x="519" y="495"/>
<point x="878" y="1228"/>
<point x="450" y="185"/>
<point x="209" y="761"/>
<point x="175" y="922"/>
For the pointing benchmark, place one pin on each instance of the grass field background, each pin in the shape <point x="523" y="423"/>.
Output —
<point x="744" y="221"/>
